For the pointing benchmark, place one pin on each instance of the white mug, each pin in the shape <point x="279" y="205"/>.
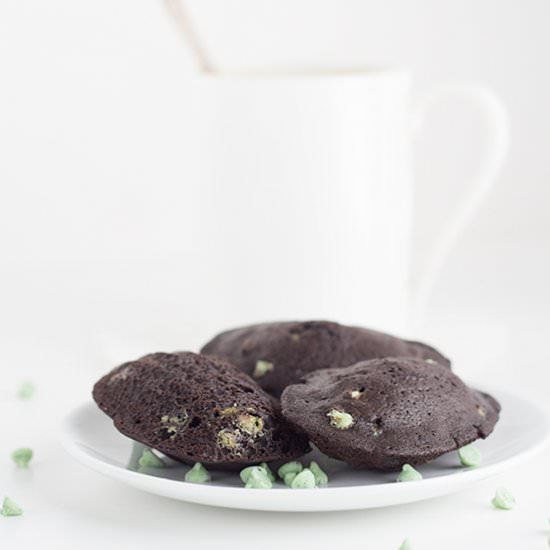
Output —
<point x="289" y="196"/>
<point x="300" y="191"/>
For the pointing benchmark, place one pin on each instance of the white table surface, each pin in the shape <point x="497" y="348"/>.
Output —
<point x="69" y="506"/>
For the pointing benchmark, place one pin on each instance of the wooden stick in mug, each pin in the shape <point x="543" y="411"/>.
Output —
<point x="176" y="8"/>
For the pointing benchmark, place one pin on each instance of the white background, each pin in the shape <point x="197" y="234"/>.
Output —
<point x="91" y="102"/>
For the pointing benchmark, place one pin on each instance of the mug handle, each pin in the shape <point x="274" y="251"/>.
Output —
<point x="496" y="116"/>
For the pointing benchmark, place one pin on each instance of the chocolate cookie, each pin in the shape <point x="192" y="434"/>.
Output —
<point x="279" y="354"/>
<point x="384" y="413"/>
<point x="197" y="409"/>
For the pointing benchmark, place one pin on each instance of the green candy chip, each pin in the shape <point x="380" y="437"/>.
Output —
<point x="247" y="472"/>
<point x="303" y="480"/>
<point x="293" y="467"/>
<point x="26" y="390"/>
<point x="22" y="457"/>
<point x="340" y="419"/>
<point x="321" y="478"/>
<point x="406" y="545"/>
<point x="469" y="456"/>
<point x="289" y="478"/>
<point x="503" y="499"/>
<point x="408" y="473"/>
<point x="262" y="368"/>
<point x="268" y="471"/>
<point x="149" y="459"/>
<point x="197" y="474"/>
<point x="10" y="508"/>
<point x="258" y="479"/>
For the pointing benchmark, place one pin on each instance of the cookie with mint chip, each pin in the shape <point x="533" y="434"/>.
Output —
<point x="279" y="354"/>
<point x="195" y="408"/>
<point x="384" y="413"/>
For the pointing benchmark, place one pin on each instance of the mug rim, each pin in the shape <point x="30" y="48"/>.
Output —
<point x="351" y="73"/>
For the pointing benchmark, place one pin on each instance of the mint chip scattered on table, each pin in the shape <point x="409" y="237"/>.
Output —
<point x="10" y="508"/>
<point x="26" y="390"/>
<point x="503" y="499"/>
<point x="22" y="457"/>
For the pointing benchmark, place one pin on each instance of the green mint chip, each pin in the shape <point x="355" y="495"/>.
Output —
<point x="10" y="508"/>
<point x="303" y="480"/>
<point x="262" y="368"/>
<point x="340" y="419"/>
<point x="258" y="479"/>
<point x="247" y="472"/>
<point x="406" y="545"/>
<point x="270" y="474"/>
<point x="289" y="478"/>
<point x="26" y="390"/>
<point x="149" y="459"/>
<point x="293" y="467"/>
<point x="22" y="457"/>
<point x="197" y="474"/>
<point x="408" y="473"/>
<point x="321" y="478"/>
<point x="469" y="456"/>
<point x="503" y="499"/>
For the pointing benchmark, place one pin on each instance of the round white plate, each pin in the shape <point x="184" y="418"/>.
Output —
<point x="523" y="430"/>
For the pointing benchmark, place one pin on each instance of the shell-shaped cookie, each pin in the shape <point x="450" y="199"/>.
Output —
<point x="384" y="413"/>
<point x="279" y="354"/>
<point x="197" y="409"/>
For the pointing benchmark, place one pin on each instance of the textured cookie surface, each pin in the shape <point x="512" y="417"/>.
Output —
<point x="197" y="409"/>
<point x="279" y="354"/>
<point x="384" y="413"/>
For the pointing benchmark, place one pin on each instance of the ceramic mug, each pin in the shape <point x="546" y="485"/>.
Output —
<point x="301" y="196"/>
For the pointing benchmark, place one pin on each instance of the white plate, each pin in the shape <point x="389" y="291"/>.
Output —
<point x="522" y="431"/>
